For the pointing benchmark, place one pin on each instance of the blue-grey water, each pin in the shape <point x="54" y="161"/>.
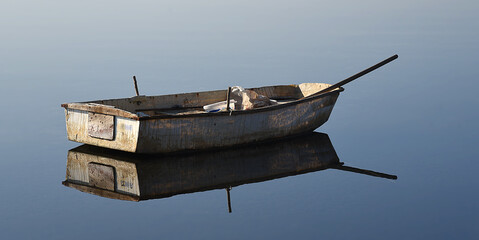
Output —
<point x="414" y="118"/>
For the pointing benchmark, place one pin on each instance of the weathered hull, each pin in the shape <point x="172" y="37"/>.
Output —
<point x="190" y="133"/>
<point x="126" y="131"/>
<point x="171" y="133"/>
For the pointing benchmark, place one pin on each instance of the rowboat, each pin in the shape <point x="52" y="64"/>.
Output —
<point x="177" y="122"/>
<point x="136" y="177"/>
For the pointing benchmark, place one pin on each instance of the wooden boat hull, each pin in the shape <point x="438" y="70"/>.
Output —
<point x="172" y="133"/>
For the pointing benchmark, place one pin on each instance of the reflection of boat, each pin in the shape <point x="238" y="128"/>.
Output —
<point x="127" y="176"/>
<point x="170" y="123"/>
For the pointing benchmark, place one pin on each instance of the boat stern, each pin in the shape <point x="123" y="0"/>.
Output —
<point x="101" y="128"/>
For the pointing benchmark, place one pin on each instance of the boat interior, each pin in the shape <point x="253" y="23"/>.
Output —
<point x="192" y="103"/>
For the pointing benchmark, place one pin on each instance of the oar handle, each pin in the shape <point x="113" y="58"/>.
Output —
<point x="357" y="75"/>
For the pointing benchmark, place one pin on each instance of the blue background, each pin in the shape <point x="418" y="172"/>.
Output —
<point x="415" y="118"/>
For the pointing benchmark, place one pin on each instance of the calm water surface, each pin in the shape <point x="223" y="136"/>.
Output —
<point x="414" y="118"/>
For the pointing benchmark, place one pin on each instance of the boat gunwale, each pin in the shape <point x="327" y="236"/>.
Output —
<point x="100" y="108"/>
<point x="105" y="109"/>
<point x="249" y="111"/>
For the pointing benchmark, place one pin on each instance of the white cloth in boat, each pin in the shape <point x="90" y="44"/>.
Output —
<point x="243" y="100"/>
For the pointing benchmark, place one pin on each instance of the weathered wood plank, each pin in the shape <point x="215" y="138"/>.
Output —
<point x="99" y="108"/>
<point x="125" y="136"/>
<point x="101" y="126"/>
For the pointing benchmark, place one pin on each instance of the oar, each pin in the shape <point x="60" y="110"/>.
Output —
<point x="357" y="75"/>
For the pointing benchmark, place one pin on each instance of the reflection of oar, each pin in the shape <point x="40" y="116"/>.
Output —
<point x="363" y="171"/>
<point x="357" y="75"/>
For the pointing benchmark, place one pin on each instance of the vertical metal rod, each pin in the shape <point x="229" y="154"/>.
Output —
<point x="229" y="198"/>
<point x="136" y="86"/>
<point x="228" y="96"/>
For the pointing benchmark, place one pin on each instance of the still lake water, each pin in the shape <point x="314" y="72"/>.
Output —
<point x="414" y="118"/>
